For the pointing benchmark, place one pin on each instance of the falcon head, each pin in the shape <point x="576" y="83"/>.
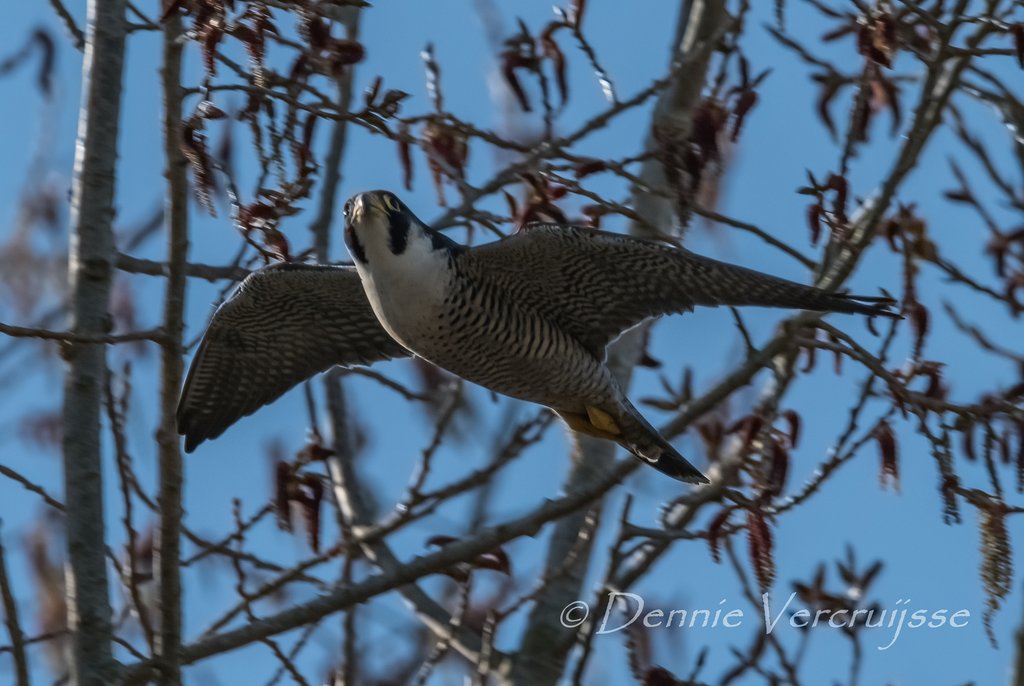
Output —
<point x="380" y="230"/>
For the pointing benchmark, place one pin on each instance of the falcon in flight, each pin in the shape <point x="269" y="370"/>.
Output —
<point x="528" y="316"/>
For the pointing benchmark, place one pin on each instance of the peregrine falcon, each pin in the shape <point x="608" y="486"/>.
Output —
<point x="528" y="316"/>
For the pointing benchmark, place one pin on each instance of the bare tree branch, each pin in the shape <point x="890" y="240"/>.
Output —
<point x="483" y="541"/>
<point x="167" y="562"/>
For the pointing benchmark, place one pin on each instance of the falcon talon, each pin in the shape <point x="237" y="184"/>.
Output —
<point x="528" y="316"/>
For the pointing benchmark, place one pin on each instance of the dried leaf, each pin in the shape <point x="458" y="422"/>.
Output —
<point x="877" y="39"/>
<point x="837" y="356"/>
<point x="276" y="244"/>
<point x="447" y="153"/>
<point x="793" y="419"/>
<point x="658" y="676"/>
<point x="510" y="64"/>
<point x="841" y="187"/>
<point x="440" y="541"/>
<point x="317" y="31"/>
<point x="1020" y="456"/>
<point x="313" y="496"/>
<point x="207" y="110"/>
<point x="950" y="504"/>
<point x="209" y="37"/>
<point x="759" y="540"/>
<point x="919" y="322"/>
<point x="405" y="155"/>
<point x="513" y="206"/>
<point x="814" y="213"/>
<point x="305" y="151"/>
<point x="170" y="7"/>
<point x="744" y="104"/>
<point x="390" y="103"/>
<point x="996" y="562"/>
<point x="370" y="96"/>
<point x="778" y="469"/>
<point x="711" y="432"/>
<point x="960" y="195"/>
<point x="812" y="353"/>
<point x="253" y="36"/>
<point x="576" y="10"/>
<point x="1018" y="42"/>
<point x="968" y="441"/>
<point x="313" y="452"/>
<point x="748" y="427"/>
<point x="343" y="53"/>
<point x="715" y="531"/>
<point x="193" y="147"/>
<point x="590" y="166"/>
<point x="1003" y="443"/>
<point x="554" y="53"/>
<point x="888" y="91"/>
<point x="496" y="559"/>
<point x="45" y="42"/>
<point x="283" y="484"/>
<point x="830" y="85"/>
<point x="44" y="77"/>
<point x="708" y="119"/>
<point x="890" y="471"/>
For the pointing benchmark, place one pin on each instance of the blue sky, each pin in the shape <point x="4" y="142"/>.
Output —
<point x="933" y="565"/>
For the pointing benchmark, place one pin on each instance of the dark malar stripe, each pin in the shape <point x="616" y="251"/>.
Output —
<point x="354" y="246"/>
<point x="398" y="229"/>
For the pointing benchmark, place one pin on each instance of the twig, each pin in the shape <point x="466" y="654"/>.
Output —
<point x="13" y="625"/>
<point x="207" y="272"/>
<point x="155" y="335"/>
<point x="116" y="410"/>
<point x="69" y="23"/>
<point x="247" y="602"/>
<point x="32" y="486"/>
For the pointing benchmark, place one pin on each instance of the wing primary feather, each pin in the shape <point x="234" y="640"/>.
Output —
<point x="282" y="325"/>
<point x="595" y="284"/>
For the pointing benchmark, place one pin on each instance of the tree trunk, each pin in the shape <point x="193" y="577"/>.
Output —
<point x="91" y="256"/>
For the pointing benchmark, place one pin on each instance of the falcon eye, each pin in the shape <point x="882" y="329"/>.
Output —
<point x="391" y="202"/>
<point x="348" y="207"/>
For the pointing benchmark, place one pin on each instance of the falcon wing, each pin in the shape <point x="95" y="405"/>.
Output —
<point x="596" y="284"/>
<point x="284" y="324"/>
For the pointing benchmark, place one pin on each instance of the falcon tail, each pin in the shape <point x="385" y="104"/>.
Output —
<point x="730" y="284"/>
<point x="628" y="428"/>
<point x="644" y="441"/>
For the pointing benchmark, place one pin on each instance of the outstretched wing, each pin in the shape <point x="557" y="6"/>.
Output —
<point x="284" y="324"/>
<point x="596" y="284"/>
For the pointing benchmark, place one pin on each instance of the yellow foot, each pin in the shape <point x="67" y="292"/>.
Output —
<point x="602" y="421"/>
<point x="594" y="423"/>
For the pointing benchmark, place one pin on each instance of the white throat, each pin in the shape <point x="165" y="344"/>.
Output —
<point x="405" y="290"/>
